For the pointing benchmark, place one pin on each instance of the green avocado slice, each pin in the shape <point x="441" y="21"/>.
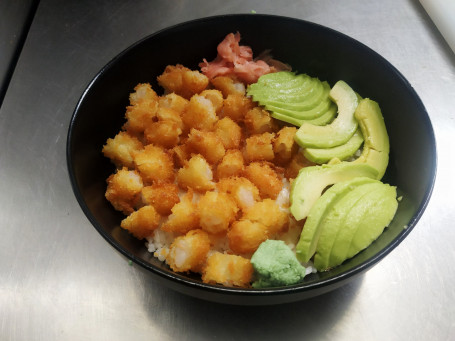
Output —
<point x="376" y="147"/>
<point x="342" y="127"/>
<point x="365" y="223"/>
<point x="342" y="152"/>
<point x="307" y="187"/>
<point x="335" y="219"/>
<point x="325" y="118"/>
<point x="309" y="236"/>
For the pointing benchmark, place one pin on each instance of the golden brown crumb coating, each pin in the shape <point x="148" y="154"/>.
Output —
<point x="123" y="190"/>
<point x="244" y="192"/>
<point x="182" y="81"/>
<point x="206" y="143"/>
<point x="180" y="154"/>
<point x="229" y="132"/>
<point x="189" y="252"/>
<point x="259" y="147"/>
<point x="184" y="216"/>
<point x="142" y="91"/>
<point x="214" y="96"/>
<point x="265" y="178"/>
<point x="163" y="133"/>
<point x="142" y="222"/>
<point x="236" y="106"/>
<point x="245" y="236"/>
<point x="216" y="211"/>
<point x="121" y="149"/>
<point x="154" y="164"/>
<point x="258" y="121"/>
<point x="200" y="114"/>
<point x="162" y="196"/>
<point x="230" y="270"/>
<point x="174" y="102"/>
<point x="232" y="164"/>
<point x="140" y="115"/>
<point x="228" y="86"/>
<point x="284" y="144"/>
<point x="268" y="213"/>
<point x="298" y="161"/>
<point x="196" y="174"/>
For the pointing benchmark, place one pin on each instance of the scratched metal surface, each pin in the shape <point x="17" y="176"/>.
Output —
<point x="59" y="280"/>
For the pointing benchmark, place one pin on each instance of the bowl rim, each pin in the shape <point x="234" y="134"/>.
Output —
<point x="218" y="289"/>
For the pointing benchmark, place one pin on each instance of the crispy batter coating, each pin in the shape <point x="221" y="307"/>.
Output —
<point x="265" y="178"/>
<point x="163" y="133"/>
<point x="230" y="270"/>
<point x="162" y="196"/>
<point x="142" y="222"/>
<point x="298" y="161"/>
<point x="174" y="102"/>
<point x="196" y="174"/>
<point x="216" y="211"/>
<point x="200" y="114"/>
<point x="189" y="252"/>
<point x="245" y="236"/>
<point x="206" y="143"/>
<point x="284" y="144"/>
<point x="268" y="213"/>
<point x="258" y="121"/>
<point x="169" y="114"/>
<point x="228" y="85"/>
<point x="154" y="164"/>
<point x="214" y="96"/>
<point x="123" y="190"/>
<point x="122" y="148"/>
<point x="259" y="147"/>
<point x="140" y="115"/>
<point x="142" y="91"/>
<point x="236" y="106"/>
<point x="180" y="154"/>
<point x="184" y="216"/>
<point x="244" y="192"/>
<point x="182" y="81"/>
<point x="229" y="132"/>
<point x="232" y="164"/>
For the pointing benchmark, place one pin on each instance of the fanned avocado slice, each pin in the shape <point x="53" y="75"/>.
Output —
<point x="343" y="152"/>
<point x="309" y="236"/>
<point x="342" y="127"/>
<point x="376" y="147"/>
<point x="307" y="187"/>
<point x="325" y="118"/>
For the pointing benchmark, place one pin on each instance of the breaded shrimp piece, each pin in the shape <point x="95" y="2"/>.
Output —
<point x="163" y="133"/>
<point x="142" y="222"/>
<point x="284" y="144"/>
<point x="199" y="114"/>
<point x="123" y="190"/>
<point x="180" y="154"/>
<point x="258" y="121"/>
<point x="184" y="216"/>
<point x="229" y="270"/>
<point x="236" y="106"/>
<point x="174" y="102"/>
<point x="206" y="143"/>
<point x="196" y="174"/>
<point x="162" y="196"/>
<point x="140" y="115"/>
<point x="189" y="252"/>
<point x="245" y="236"/>
<point x="122" y="148"/>
<point x="232" y="164"/>
<point x="259" y="147"/>
<point x="298" y="161"/>
<point x="268" y="213"/>
<point x="154" y="164"/>
<point x="228" y="85"/>
<point x="142" y="91"/>
<point x="168" y="114"/>
<point x="229" y="132"/>
<point x="244" y="192"/>
<point x="182" y="81"/>
<point x="214" y="96"/>
<point x="216" y="211"/>
<point x="265" y="178"/>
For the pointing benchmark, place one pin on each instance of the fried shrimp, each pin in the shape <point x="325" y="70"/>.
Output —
<point x="265" y="178"/>
<point x="123" y="190"/>
<point x="142" y="222"/>
<point x="230" y="270"/>
<point x="122" y="148"/>
<point x="216" y="211"/>
<point x="154" y="164"/>
<point x="182" y="81"/>
<point x="189" y="252"/>
<point x="196" y="174"/>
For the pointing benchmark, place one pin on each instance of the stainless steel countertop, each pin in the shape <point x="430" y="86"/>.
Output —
<point x="60" y="280"/>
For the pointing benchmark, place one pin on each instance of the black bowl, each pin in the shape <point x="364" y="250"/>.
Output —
<point x="309" y="48"/>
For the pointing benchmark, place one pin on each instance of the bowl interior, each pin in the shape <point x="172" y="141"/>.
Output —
<point x="308" y="48"/>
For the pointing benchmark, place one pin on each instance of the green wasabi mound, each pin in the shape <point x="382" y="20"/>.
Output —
<point x="276" y="265"/>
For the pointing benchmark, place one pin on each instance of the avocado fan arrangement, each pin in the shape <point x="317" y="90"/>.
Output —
<point x="341" y="200"/>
